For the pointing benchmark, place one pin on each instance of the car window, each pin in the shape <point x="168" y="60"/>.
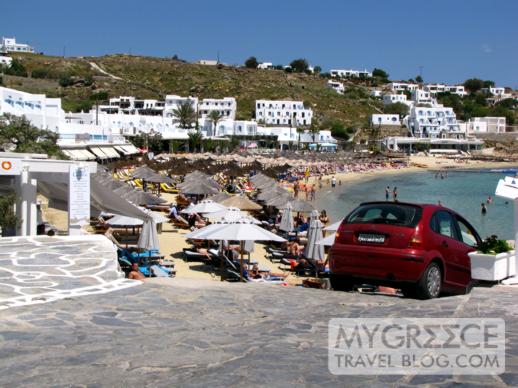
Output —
<point x="467" y="234"/>
<point x="386" y="213"/>
<point x="444" y="224"/>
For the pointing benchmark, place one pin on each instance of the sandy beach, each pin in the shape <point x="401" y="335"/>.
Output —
<point x="172" y="239"/>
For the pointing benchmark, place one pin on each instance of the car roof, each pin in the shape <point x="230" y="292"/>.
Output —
<point x="421" y="205"/>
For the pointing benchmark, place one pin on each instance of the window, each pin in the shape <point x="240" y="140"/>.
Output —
<point x="385" y="213"/>
<point x="443" y="223"/>
<point x="468" y="235"/>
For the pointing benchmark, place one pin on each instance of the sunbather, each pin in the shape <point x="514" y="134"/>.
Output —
<point x="135" y="273"/>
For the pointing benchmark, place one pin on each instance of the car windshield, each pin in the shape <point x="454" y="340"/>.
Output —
<point x="386" y="213"/>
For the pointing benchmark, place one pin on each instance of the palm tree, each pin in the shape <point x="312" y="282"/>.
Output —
<point x="215" y="117"/>
<point x="195" y="140"/>
<point x="314" y="130"/>
<point x="184" y="115"/>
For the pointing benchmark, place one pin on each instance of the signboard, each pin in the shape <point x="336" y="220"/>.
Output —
<point x="78" y="198"/>
<point x="10" y="166"/>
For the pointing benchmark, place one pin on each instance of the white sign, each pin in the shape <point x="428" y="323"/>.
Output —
<point x="10" y="166"/>
<point x="78" y="198"/>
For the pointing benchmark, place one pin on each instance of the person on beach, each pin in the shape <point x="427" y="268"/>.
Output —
<point x="439" y="203"/>
<point x="313" y="192"/>
<point x="173" y="211"/>
<point x="323" y="217"/>
<point x="483" y="208"/>
<point x="387" y="193"/>
<point x="489" y="200"/>
<point x="333" y="182"/>
<point x="135" y="273"/>
<point x="394" y="194"/>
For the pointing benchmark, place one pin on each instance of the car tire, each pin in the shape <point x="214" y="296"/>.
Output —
<point x="430" y="284"/>
<point x="341" y="283"/>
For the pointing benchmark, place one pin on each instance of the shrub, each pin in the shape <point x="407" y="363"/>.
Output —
<point x="16" y="68"/>
<point x="65" y="80"/>
<point x="492" y="245"/>
<point x="40" y="72"/>
<point x="251" y="63"/>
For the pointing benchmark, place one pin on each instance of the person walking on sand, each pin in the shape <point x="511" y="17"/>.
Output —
<point x="333" y="182"/>
<point x="387" y="193"/>
<point x="313" y="192"/>
<point x="394" y="194"/>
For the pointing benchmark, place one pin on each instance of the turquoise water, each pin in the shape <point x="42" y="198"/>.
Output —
<point x="462" y="191"/>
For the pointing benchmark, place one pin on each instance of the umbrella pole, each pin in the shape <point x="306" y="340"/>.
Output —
<point x="241" y="259"/>
<point x="221" y="261"/>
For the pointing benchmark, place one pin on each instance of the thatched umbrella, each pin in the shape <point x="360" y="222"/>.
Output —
<point x="219" y="197"/>
<point x="241" y="202"/>
<point x="198" y="188"/>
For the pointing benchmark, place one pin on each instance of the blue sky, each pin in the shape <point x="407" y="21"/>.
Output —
<point x="451" y="39"/>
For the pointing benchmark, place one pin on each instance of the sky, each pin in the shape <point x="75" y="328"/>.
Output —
<point x="446" y="40"/>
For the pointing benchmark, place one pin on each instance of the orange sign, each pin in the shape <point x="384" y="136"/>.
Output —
<point x="10" y="166"/>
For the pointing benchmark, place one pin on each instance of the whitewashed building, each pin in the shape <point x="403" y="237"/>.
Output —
<point x="403" y="86"/>
<point x="276" y="112"/>
<point x="350" y="73"/>
<point x="443" y="88"/>
<point x="385" y="120"/>
<point x="432" y="121"/>
<point x="423" y="97"/>
<point x="131" y="105"/>
<point x="498" y="92"/>
<point x="5" y="61"/>
<point x="393" y="98"/>
<point x="336" y="86"/>
<point x="226" y="106"/>
<point x="486" y="124"/>
<point x="9" y="45"/>
<point x="265" y="65"/>
<point x="173" y="101"/>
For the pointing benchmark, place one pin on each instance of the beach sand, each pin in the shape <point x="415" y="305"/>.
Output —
<point x="172" y="239"/>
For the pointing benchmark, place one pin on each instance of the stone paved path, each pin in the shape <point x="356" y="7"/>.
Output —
<point x="212" y="334"/>
<point x="43" y="269"/>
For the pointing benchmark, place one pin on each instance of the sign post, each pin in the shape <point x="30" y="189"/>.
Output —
<point x="508" y="188"/>
<point x="78" y="198"/>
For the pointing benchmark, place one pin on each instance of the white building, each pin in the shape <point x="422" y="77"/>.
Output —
<point x="385" y="119"/>
<point x="403" y="87"/>
<point x="350" y="73"/>
<point x="9" y="45"/>
<point x="433" y="121"/>
<point x="5" y="61"/>
<point x="394" y="98"/>
<point x="207" y="62"/>
<point x="376" y="93"/>
<point x="173" y="101"/>
<point x="498" y="93"/>
<point x="336" y="86"/>
<point x="423" y="97"/>
<point x="131" y="105"/>
<point x="226" y="106"/>
<point x="265" y="65"/>
<point x="442" y="88"/>
<point x="275" y="112"/>
<point x="486" y="124"/>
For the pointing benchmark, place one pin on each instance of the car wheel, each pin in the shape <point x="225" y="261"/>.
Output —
<point x="341" y="283"/>
<point x="430" y="284"/>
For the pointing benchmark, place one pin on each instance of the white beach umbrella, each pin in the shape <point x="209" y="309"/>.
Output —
<point x="286" y="224"/>
<point x="314" y="251"/>
<point x="313" y="217"/>
<point x="333" y="227"/>
<point x="148" y="239"/>
<point x="205" y="206"/>
<point x="240" y="231"/>
<point x="231" y="214"/>
<point x="119" y="220"/>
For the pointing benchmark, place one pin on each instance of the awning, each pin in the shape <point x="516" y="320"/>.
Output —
<point x="99" y="153"/>
<point x="131" y="149"/>
<point x="110" y="152"/>
<point x="80" y="154"/>
<point x="121" y="149"/>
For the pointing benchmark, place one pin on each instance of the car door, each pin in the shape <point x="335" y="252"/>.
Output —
<point x="469" y="239"/>
<point x="446" y="242"/>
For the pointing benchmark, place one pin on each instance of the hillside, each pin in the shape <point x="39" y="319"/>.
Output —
<point x="149" y="77"/>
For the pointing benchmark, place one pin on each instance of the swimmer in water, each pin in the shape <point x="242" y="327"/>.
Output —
<point x="483" y="208"/>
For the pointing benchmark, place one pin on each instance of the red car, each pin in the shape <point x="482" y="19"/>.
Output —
<point x="420" y="249"/>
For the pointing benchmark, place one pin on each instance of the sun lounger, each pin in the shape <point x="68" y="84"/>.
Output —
<point x="160" y="272"/>
<point x="189" y="255"/>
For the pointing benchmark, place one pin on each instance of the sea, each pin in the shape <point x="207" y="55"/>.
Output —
<point x="462" y="191"/>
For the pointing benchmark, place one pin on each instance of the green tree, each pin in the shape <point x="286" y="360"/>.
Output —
<point x="65" y="80"/>
<point x="489" y="84"/>
<point x="419" y="79"/>
<point x="251" y="63"/>
<point x="17" y="68"/>
<point x="473" y="85"/>
<point x="215" y="117"/>
<point x="195" y="141"/>
<point x="8" y="219"/>
<point x="17" y="134"/>
<point x="299" y="65"/>
<point x="397" y="108"/>
<point x="317" y="69"/>
<point x="300" y="131"/>
<point x="184" y="115"/>
<point x="380" y="73"/>
<point x="314" y="130"/>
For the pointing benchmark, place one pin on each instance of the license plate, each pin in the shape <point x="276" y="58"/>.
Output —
<point x="371" y="238"/>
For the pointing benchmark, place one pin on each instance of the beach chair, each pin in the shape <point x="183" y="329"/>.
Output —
<point x="180" y="222"/>
<point x="190" y="255"/>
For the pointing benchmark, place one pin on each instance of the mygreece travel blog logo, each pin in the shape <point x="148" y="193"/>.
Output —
<point x="472" y="346"/>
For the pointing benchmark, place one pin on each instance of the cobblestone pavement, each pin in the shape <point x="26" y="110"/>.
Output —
<point x="217" y="334"/>
<point x="43" y="269"/>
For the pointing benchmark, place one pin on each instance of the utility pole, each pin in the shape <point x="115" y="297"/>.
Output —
<point x="64" y="51"/>
<point x="421" y="71"/>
